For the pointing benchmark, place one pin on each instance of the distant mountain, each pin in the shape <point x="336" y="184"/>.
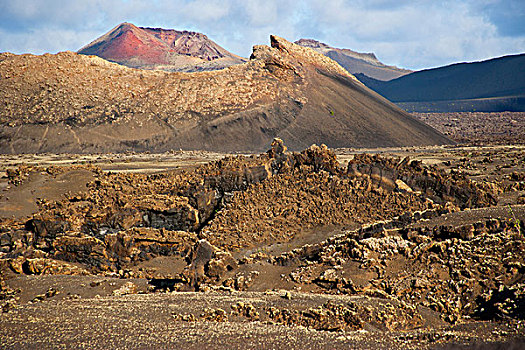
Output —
<point x="356" y="62"/>
<point x="494" y="85"/>
<point x="157" y="48"/>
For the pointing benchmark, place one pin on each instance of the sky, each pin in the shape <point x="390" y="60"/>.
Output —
<point x="413" y="34"/>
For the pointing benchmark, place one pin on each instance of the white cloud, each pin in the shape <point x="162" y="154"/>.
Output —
<point x="205" y="11"/>
<point x="419" y="35"/>
<point x="412" y="34"/>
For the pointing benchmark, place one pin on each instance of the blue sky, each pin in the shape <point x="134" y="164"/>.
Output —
<point x="411" y="34"/>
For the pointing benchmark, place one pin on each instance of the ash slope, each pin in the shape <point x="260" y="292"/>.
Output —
<point x="83" y="104"/>
<point x="356" y="62"/>
<point x="157" y="48"/>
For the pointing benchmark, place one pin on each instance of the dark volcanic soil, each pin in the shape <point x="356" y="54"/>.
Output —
<point x="392" y="248"/>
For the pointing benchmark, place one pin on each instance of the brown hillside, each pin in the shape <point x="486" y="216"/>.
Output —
<point x="80" y="104"/>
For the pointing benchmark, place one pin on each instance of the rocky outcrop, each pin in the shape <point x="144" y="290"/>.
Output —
<point x="347" y="317"/>
<point x="331" y="316"/>
<point x="409" y="175"/>
<point x="123" y="219"/>
<point x="446" y="273"/>
<point x="383" y="228"/>
<point x="39" y="266"/>
<point x="208" y="264"/>
<point x="122" y="248"/>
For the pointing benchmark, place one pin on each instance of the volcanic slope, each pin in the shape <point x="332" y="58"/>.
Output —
<point x="83" y="104"/>
<point x="157" y="48"/>
<point x="356" y="62"/>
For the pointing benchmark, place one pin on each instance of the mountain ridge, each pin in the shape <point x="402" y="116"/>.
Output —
<point x="356" y="62"/>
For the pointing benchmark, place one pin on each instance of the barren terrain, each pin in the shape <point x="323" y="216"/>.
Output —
<point x="413" y="247"/>
<point x="479" y="128"/>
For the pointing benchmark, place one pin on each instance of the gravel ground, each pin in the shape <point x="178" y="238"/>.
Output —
<point x="145" y="321"/>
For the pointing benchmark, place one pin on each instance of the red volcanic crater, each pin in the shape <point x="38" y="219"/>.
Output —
<point x="141" y="47"/>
